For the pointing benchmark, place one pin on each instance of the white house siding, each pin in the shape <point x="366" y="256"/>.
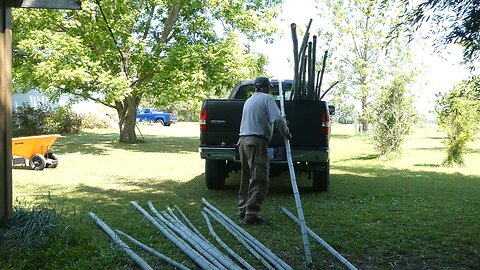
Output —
<point x="36" y="99"/>
<point x="33" y="98"/>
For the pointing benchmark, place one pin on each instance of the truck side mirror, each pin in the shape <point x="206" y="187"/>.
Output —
<point x="331" y="109"/>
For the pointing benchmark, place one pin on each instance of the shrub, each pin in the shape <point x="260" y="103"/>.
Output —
<point x="94" y="121"/>
<point x="392" y="116"/>
<point x="459" y="115"/>
<point x="28" y="120"/>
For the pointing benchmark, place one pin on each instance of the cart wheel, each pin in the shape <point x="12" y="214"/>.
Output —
<point x="52" y="160"/>
<point x="37" y="162"/>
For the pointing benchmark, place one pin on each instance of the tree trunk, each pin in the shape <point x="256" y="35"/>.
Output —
<point x="127" y="116"/>
<point x="363" y="116"/>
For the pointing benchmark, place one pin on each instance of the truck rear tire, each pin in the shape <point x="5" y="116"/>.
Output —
<point x="321" y="179"/>
<point x="215" y="173"/>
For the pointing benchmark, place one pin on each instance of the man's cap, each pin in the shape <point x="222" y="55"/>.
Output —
<point x="262" y="82"/>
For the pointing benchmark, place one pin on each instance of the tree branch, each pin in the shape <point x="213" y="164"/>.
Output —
<point x="122" y="58"/>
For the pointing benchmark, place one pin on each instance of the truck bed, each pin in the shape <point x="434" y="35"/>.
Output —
<point x="224" y="118"/>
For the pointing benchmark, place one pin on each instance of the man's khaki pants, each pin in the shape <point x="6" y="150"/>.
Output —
<point x="254" y="177"/>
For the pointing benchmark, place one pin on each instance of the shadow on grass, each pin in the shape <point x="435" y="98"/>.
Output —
<point x="363" y="157"/>
<point x="370" y="215"/>
<point x="101" y="144"/>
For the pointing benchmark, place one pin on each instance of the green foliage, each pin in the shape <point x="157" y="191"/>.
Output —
<point x="362" y="52"/>
<point x="28" y="121"/>
<point x="454" y="21"/>
<point x="115" y="52"/>
<point x="94" y="121"/>
<point x="393" y="115"/>
<point x="345" y="113"/>
<point x="459" y="115"/>
<point x="26" y="228"/>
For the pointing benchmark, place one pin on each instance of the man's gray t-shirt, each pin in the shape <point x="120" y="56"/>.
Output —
<point x="260" y="113"/>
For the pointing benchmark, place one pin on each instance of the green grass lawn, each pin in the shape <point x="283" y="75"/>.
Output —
<point x="404" y="213"/>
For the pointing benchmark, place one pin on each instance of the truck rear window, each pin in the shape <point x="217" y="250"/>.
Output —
<point x="245" y="91"/>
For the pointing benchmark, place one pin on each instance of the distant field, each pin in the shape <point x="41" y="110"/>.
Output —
<point x="404" y="213"/>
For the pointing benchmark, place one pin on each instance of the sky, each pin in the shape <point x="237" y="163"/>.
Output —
<point x="441" y="69"/>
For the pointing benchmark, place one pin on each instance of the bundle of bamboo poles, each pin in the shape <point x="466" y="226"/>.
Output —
<point x="307" y="81"/>
<point x="195" y="245"/>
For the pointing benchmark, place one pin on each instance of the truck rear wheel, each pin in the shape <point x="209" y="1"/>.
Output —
<point x="321" y="179"/>
<point x="215" y="173"/>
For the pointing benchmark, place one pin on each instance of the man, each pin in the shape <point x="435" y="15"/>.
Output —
<point x="260" y="113"/>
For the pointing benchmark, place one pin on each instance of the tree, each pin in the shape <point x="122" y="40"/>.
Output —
<point x="454" y="21"/>
<point x="393" y="115"/>
<point x="115" y="52"/>
<point x="360" y="47"/>
<point x="459" y="115"/>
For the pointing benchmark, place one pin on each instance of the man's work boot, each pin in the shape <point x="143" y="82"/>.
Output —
<point x="256" y="220"/>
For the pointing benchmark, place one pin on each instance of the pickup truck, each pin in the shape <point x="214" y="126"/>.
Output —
<point x="154" y="116"/>
<point x="308" y="121"/>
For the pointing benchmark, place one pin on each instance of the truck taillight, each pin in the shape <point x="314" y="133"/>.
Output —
<point x="203" y="120"/>
<point x="325" y="121"/>
<point x="170" y="117"/>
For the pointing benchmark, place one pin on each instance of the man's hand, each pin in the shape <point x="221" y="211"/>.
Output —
<point x="288" y="135"/>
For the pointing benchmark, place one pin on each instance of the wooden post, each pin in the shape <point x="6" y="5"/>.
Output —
<point x="6" y="89"/>
<point x="5" y="110"/>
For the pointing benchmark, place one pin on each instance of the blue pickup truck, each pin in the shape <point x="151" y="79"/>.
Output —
<point x="153" y="116"/>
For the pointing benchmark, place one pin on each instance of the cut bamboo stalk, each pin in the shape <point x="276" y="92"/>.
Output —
<point x="324" y="63"/>
<point x="210" y="252"/>
<point x="314" y="64"/>
<point x="249" y="245"/>
<point x="309" y="95"/>
<point x="320" y="240"/>
<point x="298" y="202"/>
<point x="137" y="259"/>
<point x="274" y="259"/>
<point x="230" y="251"/>
<point x="184" y="247"/>
<point x="189" y="223"/>
<point x="153" y="251"/>
<point x="295" y="59"/>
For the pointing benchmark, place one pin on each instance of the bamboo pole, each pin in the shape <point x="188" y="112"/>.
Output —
<point x="328" y="90"/>
<point x="189" y="223"/>
<point x="249" y="245"/>
<point x="298" y="202"/>
<point x="320" y="240"/>
<point x="209" y="251"/>
<point x="309" y="91"/>
<point x="274" y="259"/>
<point x="324" y="63"/>
<point x="184" y="247"/>
<point x="153" y="251"/>
<point x="137" y="259"/>
<point x="295" y="59"/>
<point x="314" y="64"/>
<point x="230" y="251"/>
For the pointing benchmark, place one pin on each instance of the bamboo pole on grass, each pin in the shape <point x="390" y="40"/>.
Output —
<point x="249" y="245"/>
<point x="210" y="252"/>
<point x="184" y="247"/>
<point x="274" y="259"/>
<point x="153" y="251"/>
<point x="230" y="251"/>
<point x="320" y="240"/>
<point x="137" y="259"/>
